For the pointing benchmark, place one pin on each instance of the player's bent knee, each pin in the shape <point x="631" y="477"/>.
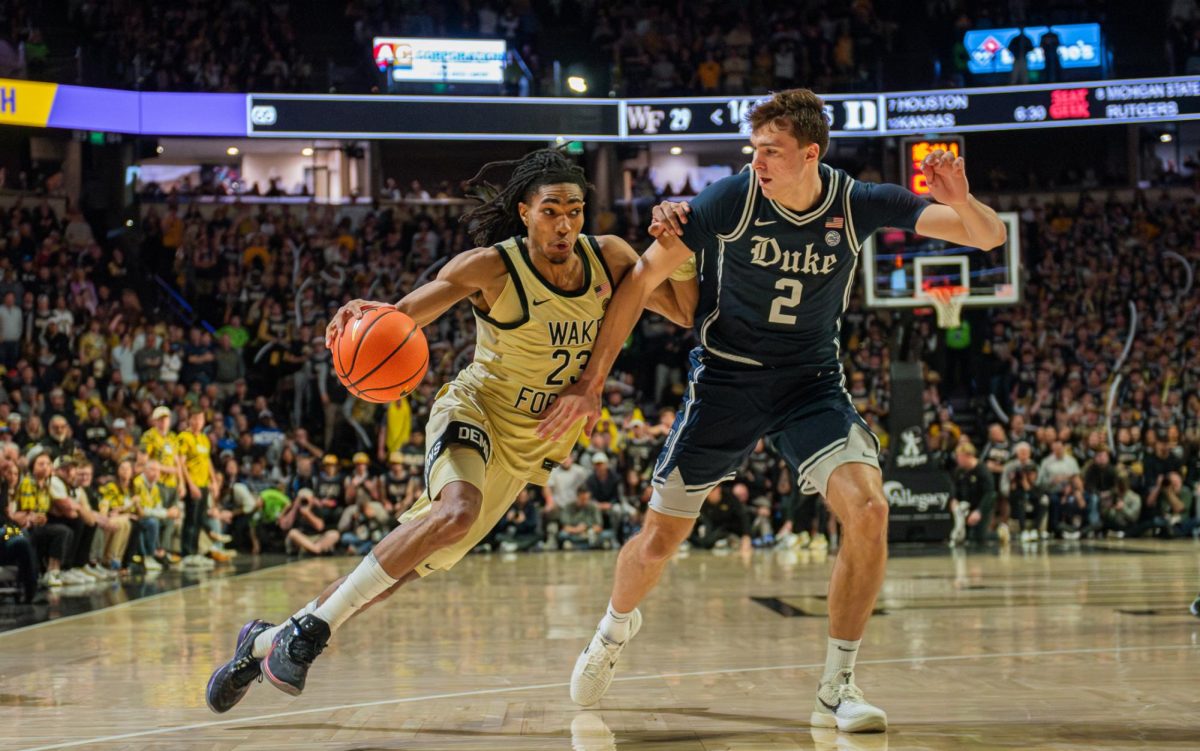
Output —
<point x="456" y="511"/>
<point x="663" y="535"/>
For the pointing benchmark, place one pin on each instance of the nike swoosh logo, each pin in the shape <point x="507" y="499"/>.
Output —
<point x="843" y="649"/>
<point x="540" y="302"/>
<point x="761" y="223"/>
<point x="431" y="568"/>
<point x="831" y="707"/>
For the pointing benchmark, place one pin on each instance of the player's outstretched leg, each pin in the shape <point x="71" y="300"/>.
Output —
<point x="297" y="643"/>
<point x="855" y="493"/>
<point x="230" y="682"/>
<point x="639" y="567"/>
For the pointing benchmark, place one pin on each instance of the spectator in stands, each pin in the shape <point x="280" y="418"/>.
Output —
<point x="604" y="486"/>
<point x="16" y="546"/>
<point x="304" y="525"/>
<point x="520" y="529"/>
<point x="152" y="513"/>
<point x="582" y="524"/>
<point x="724" y="518"/>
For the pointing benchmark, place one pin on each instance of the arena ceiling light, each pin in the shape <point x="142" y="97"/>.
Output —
<point x="232" y="151"/>
<point x="1166" y="138"/>
<point x="578" y="84"/>
<point x="306" y="151"/>
<point x="747" y="150"/>
<point x="676" y="150"/>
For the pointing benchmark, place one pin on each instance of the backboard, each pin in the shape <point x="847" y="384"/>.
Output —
<point x="900" y="267"/>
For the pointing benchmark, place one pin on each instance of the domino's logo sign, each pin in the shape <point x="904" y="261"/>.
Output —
<point x="987" y="51"/>
<point x="263" y="114"/>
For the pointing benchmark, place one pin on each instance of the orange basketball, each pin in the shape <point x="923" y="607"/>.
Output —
<point x="381" y="356"/>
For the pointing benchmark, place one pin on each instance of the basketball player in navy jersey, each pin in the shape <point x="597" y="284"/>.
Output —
<point x="776" y="247"/>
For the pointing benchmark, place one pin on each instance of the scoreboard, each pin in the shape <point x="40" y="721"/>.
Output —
<point x="1001" y="108"/>
<point x="725" y="117"/>
<point x="943" y="112"/>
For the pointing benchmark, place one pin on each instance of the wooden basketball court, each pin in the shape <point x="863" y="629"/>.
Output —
<point x="1089" y="647"/>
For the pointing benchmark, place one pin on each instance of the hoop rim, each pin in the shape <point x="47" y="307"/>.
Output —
<point x="948" y="301"/>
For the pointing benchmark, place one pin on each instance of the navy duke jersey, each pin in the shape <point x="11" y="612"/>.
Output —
<point x="775" y="282"/>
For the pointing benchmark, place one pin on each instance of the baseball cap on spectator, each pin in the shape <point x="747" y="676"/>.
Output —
<point x="599" y="458"/>
<point x="305" y="493"/>
<point x="160" y="412"/>
<point x="119" y="424"/>
<point x="396" y="457"/>
<point x="361" y="458"/>
<point x="330" y="459"/>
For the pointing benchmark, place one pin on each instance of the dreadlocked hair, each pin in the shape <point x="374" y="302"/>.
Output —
<point x="497" y="218"/>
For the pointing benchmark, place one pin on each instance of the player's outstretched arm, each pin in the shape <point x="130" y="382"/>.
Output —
<point x="959" y="218"/>
<point x="582" y="398"/>
<point x="466" y="274"/>
<point x="675" y="298"/>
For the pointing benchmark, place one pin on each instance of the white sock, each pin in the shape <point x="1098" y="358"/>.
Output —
<point x="839" y="657"/>
<point x="262" y="642"/>
<point x="615" y="625"/>
<point x="366" y="582"/>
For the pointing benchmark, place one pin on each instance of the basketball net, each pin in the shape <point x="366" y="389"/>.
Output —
<point x="948" y="302"/>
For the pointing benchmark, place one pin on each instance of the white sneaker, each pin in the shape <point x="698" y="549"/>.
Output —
<point x="594" y="669"/>
<point x="74" y="576"/>
<point x="1004" y="534"/>
<point x="841" y="705"/>
<point x="102" y="574"/>
<point x="52" y="579"/>
<point x="819" y="542"/>
<point x="152" y="565"/>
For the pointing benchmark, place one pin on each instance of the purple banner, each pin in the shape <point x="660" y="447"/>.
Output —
<point x="149" y="113"/>
<point x="83" y="108"/>
<point x="168" y="114"/>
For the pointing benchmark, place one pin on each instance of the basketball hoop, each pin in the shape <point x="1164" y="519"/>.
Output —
<point x="948" y="302"/>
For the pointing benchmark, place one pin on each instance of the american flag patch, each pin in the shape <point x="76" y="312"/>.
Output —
<point x="835" y="222"/>
<point x="603" y="289"/>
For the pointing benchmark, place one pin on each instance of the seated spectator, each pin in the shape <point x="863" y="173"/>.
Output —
<point x="520" y="529"/>
<point x="305" y="527"/>
<point x="582" y="524"/>
<point x="119" y="505"/>
<point x="605" y="488"/>
<point x="724" y="520"/>
<point x="1122" y="514"/>
<point x="152" y="515"/>
<point x="16" y="547"/>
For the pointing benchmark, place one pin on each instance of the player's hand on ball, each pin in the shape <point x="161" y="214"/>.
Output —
<point x="668" y="219"/>
<point x="350" y="311"/>
<point x="573" y="402"/>
<point x="946" y="176"/>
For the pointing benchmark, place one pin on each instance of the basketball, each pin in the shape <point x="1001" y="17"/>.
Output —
<point x="381" y="356"/>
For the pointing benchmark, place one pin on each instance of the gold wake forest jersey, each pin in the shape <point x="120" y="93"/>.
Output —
<point x="534" y="342"/>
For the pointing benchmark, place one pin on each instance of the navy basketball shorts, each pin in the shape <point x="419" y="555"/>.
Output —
<point x="805" y="413"/>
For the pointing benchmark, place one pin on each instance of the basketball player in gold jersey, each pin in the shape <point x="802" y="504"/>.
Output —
<point x="539" y="290"/>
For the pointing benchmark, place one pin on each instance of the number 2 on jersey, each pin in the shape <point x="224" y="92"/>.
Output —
<point x="794" y="289"/>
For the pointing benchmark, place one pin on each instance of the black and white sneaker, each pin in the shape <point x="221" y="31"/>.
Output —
<point x="290" y="655"/>
<point x="1195" y="608"/>
<point x="840" y="704"/>
<point x="230" y="682"/>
